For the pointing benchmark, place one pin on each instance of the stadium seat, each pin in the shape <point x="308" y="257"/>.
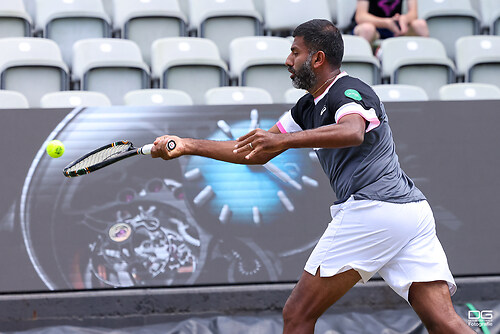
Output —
<point x="292" y="95"/>
<point x="157" y="97"/>
<point x="74" y="98"/>
<point x="110" y="66"/>
<point x="285" y="15"/>
<point x="359" y="60"/>
<point x="490" y="16"/>
<point x="478" y="58"/>
<point x="400" y="93"/>
<point x="108" y="7"/>
<point x="189" y="64"/>
<point x="66" y="22"/>
<point x="260" y="62"/>
<point x="469" y="91"/>
<point x="32" y="66"/>
<point x="30" y="6"/>
<point x="448" y="20"/>
<point x="12" y="100"/>
<point x="332" y="5"/>
<point x="259" y="6"/>
<point x="237" y="95"/>
<point x="417" y="61"/>
<point x="345" y="12"/>
<point x="223" y="21"/>
<point x="145" y="21"/>
<point x="14" y="19"/>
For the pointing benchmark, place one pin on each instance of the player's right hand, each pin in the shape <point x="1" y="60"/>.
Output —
<point x="160" y="149"/>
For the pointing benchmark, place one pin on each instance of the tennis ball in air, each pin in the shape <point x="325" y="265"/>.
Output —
<point x="55" y="148"/>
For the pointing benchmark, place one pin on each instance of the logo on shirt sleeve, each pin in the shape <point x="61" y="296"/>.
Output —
<point x="353" y="94"/>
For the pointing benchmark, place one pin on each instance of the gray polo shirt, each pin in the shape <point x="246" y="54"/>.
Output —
<point x="369" y="171"/>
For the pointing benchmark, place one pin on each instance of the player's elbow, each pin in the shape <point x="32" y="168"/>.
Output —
<point x="357" y="138"/>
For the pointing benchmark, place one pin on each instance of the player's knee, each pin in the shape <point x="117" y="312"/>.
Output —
<point x="289" y="312"/>
<point x="296" y="313"/>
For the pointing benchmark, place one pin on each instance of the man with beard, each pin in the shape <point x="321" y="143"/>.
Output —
<point x="381" y="221"/>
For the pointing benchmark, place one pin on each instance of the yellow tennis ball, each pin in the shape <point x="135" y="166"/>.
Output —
<point x="55" y="148"/>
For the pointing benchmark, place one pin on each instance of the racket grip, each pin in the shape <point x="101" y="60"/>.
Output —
<point x="146" y="149"/>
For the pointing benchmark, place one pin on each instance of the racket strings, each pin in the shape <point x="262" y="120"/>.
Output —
<point x="99" y="157"/>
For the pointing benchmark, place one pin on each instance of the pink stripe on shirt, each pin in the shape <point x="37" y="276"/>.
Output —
<point x="280" y="127"/>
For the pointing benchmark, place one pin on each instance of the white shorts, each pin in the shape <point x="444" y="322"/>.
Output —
<point x="398" y="241"/>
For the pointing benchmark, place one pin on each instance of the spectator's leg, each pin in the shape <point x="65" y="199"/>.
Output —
<point x="367" y="31"/>
<point x="419" y="27"/>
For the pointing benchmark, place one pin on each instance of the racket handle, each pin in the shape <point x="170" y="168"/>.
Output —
<point x="146" y="149"/>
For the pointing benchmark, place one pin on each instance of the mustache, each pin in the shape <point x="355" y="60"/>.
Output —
<point x="291" y="70"/>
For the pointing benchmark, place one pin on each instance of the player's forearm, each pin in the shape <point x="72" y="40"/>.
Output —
<point x="331" y="136"/>
<point x="221" y="150"/>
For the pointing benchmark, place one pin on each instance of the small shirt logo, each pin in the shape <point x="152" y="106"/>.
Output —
<point x="353" y="94"/>
<point x="322" y="110"/>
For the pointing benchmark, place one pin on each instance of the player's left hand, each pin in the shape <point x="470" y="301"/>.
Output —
<point x="259" y="141"/>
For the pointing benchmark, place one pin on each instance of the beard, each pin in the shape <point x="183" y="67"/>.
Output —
<point x="304" y="76"/>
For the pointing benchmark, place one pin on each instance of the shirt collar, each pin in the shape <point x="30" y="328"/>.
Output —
<point x="340" y="75"/>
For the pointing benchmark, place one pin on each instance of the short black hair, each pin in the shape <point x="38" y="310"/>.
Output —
<point x="322" y="35"/>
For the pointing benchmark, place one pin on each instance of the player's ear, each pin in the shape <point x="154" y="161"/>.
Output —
<point x="318" y="59"/>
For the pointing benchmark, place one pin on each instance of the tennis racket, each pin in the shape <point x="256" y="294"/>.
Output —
<point x="107" y="155"/>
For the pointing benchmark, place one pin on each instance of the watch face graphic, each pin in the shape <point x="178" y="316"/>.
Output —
<point x="255" y="199"/>
<point x="186" y="221"/>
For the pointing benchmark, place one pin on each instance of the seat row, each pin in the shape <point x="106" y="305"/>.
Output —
<point x="144" y="21"/>
<point x="423" y="62"/>
<point x="148" y="97"/>
<point x="239" y="95"/>
<point x="34" y="66"/>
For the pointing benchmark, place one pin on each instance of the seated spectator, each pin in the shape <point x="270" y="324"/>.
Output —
<point x="380" y="19"/>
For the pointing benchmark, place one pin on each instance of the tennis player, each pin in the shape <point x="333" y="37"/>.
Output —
<point x="381" y="221"/>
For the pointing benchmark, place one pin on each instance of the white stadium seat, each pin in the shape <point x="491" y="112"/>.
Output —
<point x="417" y="61"/>
<point x="292" y="95"/>
<point x="146" y="21"/>
<point x="109" y="65"/>
<point x="237" y="95"/>
<point x="359" y="60"/>
<point x="12" y="100"/>
<point x="478" y="58"/>
<point x="32" y="66"/>
<point x="15" y="21"/>
<point x="345" y="12"/>
<point x="285" y="15"/>
<point x="74" y="98"/>
<point x="448" y="20"/>
<point x="469" y="91"/>
<point x="189" y="64"/>
<point x="260" y="62"/>
<point x="223" y="21"/>
<point x="66" y="22"/>
<point x="400" y="93"/>
<point x="157" y="97"/>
